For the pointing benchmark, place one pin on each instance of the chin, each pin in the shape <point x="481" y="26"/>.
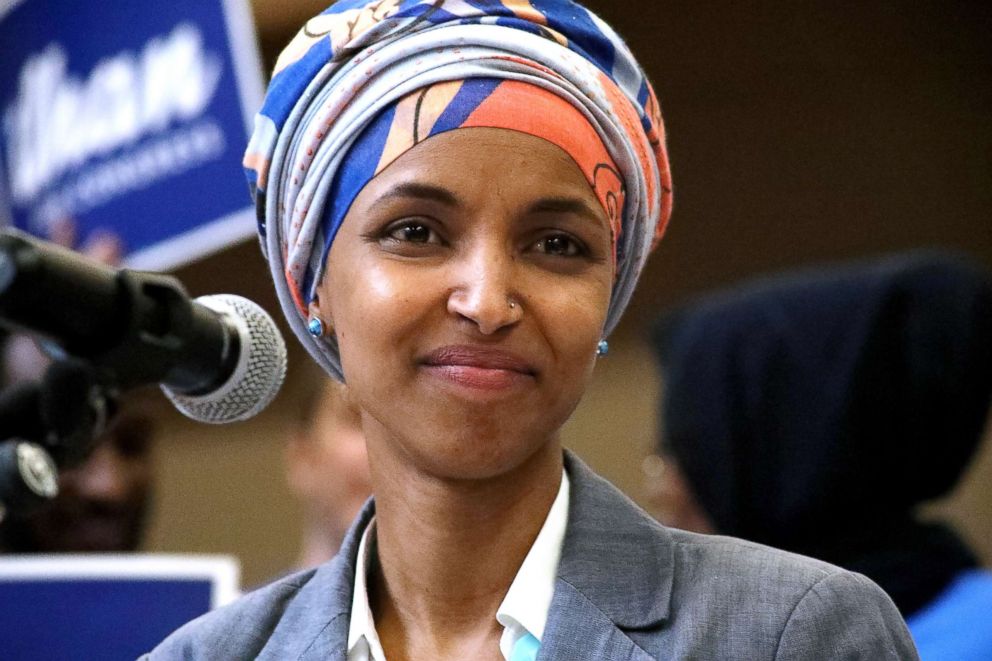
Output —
<point x="473" y="453"/>
<point x="449" y="469"/>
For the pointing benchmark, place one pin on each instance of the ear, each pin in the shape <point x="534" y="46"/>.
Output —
<point x="316" y="311"/>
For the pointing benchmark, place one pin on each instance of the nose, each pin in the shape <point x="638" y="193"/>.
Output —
<point x="485" y="288"/>
<point x="102" y="477"/>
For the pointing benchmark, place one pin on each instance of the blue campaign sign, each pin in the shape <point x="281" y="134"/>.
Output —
<point x="104" y="607"/>
<point x="130" y="117"/>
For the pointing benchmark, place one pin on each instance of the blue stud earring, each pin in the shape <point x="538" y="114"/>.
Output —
<point x="602" y="348"/>
<point x="315" y="327"/>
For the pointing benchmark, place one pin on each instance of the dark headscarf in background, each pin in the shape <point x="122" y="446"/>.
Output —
<point x="814" y="411"/>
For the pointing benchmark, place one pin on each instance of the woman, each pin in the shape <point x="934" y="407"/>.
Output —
<point x="456" y="199"/>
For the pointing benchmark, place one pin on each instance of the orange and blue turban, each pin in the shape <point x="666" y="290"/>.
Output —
<point x="364" y="82"/>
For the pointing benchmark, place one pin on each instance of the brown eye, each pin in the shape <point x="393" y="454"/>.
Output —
<point x="559" y="245"/>
<point x="412" y="232"/>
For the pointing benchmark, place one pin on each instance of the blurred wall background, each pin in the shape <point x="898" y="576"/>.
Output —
<point x="799" y="133"/>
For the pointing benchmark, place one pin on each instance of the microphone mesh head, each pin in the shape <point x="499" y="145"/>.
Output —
<point x="259" y="373"/>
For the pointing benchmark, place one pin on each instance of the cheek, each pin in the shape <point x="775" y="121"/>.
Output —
<point x="574" y="311"/>
<point x="138" y="472"/>
<point x="572" y="315"/>
<point x="365" y="295"/>
<point x="375" y="312"/>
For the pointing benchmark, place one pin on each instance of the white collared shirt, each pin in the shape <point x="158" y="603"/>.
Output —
<point x="524" y="608"/>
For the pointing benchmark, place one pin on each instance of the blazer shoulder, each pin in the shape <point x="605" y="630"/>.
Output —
<point x="703" y="557"/>
<point x="846" y="615"/>
<point x="784" y="605"/>
<point x="238" y="630"/>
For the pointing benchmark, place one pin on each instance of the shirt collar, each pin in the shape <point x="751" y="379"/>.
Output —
<point x="524" y="608"/>
<point x="361" y="630"/>
<point x="526" y="604"/>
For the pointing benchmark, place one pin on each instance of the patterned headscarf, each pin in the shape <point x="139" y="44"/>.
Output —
<point x="364" y="82"/>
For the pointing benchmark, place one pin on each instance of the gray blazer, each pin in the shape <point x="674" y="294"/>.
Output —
<point x="627" y="588"/>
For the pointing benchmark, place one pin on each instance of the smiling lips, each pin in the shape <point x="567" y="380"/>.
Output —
<point x="480" y="368"/>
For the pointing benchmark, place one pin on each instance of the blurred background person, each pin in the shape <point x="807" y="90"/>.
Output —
<point x="815" y="412"/>
<point x="103" y="503"/>
<point x="327" y="468"/>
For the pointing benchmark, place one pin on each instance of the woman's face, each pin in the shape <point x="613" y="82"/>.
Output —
<point x="468" y="288"/>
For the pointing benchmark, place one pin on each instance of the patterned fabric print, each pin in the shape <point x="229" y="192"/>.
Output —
<point x="360" y="69"/>
<point x="473" y="103"/>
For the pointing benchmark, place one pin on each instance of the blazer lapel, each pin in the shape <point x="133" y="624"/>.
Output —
<point x="615" y="574"/>
<point x="578" y="630"/>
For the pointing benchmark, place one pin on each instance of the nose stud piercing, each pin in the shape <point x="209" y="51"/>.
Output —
<point x="513" y="305"/>
<point x="315" y="327"/>
<point x="602" y="348"/>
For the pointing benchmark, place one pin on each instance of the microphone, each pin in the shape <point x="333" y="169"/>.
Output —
<point x="218" y="358"/>
<point x="254" y="379"/>
<point x="46" y="426"/>
<point x="63" y="413"/>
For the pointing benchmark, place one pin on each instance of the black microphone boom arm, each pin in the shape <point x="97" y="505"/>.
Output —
<point x="108" y="317"/>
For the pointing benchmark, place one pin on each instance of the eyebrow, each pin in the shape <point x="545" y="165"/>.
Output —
<point x="420" y="191"/>
<point x="567" y="205"/>
<point x="557" y="204"/>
